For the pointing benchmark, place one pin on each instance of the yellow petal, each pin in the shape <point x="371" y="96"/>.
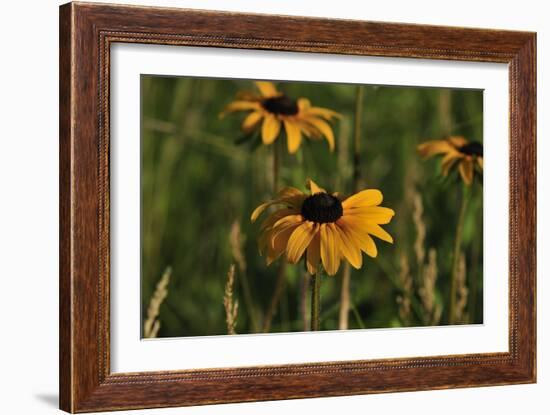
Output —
<point x="267" y="89"/>
<point x="293" y="136"/>
<point x="279" y="242"/>
<point x="324" y="128"/>
<point x="248" y="96"/>
<point x="449" y="160"/>
<point x="267" y="234"/>
<point x="289" y="192"/>
<point x="288" y="195"/>
<point x="259" y="210"/>
<point x="466" y="169"/>
<point x="355" y="229"/>
<point x="330" y="254"/>
<point x="369" y="246"/>
<point x="309" y="131"/>
<point x="323" y="112"/>
<point x="270" y="129"/>
<point x="299" y="241"/>
<point x="252" y="120"/>
<point x="313" y="187"/>
<point x="275" y="216"/>
<point x="240" y="106"/>
<point x="292" y="197"/>
<point x="348" y="248"/>
<point x="289" y="222"/>
<point x="431" y="148"/>
<point x="458" y="141"/>
<point x="377" y="231"/>
<point x="369" y="197"/>
<point x="286" y="220"/>
<point x="313" y="253"/>
<point x="303" y="104"/>
<point x="372" y="214"/>
<point x="480" y="162"/>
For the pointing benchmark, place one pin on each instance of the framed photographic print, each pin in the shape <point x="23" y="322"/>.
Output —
<point x="261" y="207"/>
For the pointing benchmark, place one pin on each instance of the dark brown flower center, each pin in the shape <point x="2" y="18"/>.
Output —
<point x="282" y="105"/>
<point x="322" y="208"/>
<point x="473" y="148"/>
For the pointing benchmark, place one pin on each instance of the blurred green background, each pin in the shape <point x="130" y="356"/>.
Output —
<point x="199" y="183"/>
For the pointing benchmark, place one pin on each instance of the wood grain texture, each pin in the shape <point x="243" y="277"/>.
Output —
<point x="65" y="247"/>
<point x="86" y="33"/>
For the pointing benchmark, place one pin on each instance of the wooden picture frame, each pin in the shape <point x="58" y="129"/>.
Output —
<point x="86" y="33"/>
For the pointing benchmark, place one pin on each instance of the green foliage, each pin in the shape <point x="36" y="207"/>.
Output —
<point x="200" y="174"/>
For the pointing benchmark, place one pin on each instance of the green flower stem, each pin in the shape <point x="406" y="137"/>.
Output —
<point x="276" y="165"/>
<point x="305" y="279"/>
<point x="456" y="254"/>
<point x="315" y="301"/>
<point x="343" y="320"/>
<point x="278" y="291"/>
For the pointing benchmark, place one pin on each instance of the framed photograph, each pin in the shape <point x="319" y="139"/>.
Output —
<point x="260" y="207"/>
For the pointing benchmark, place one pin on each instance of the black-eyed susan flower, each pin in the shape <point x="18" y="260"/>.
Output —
<point x="323" y="227"/>
<point x="456" y="151"/>
<point x="271" y="109"/>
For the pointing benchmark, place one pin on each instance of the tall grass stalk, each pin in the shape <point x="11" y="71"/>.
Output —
<point x="445" y="111"/>
<point x="151" y="326"/>
<point x="420" y="227"/>
<point x="418" y="295"/>
<point x="427" y="291"/>
<point x="231" y="306"/>
<point x="462" y="292"/>
<point x="404" y="300"/>
<point x="456" y="255"/>
<point x="343" y="321"/>
<point x="236" y="242"/>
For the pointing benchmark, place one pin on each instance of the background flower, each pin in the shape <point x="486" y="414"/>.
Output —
<point x="272" y="108"/>
<point x="457" y="151"/>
